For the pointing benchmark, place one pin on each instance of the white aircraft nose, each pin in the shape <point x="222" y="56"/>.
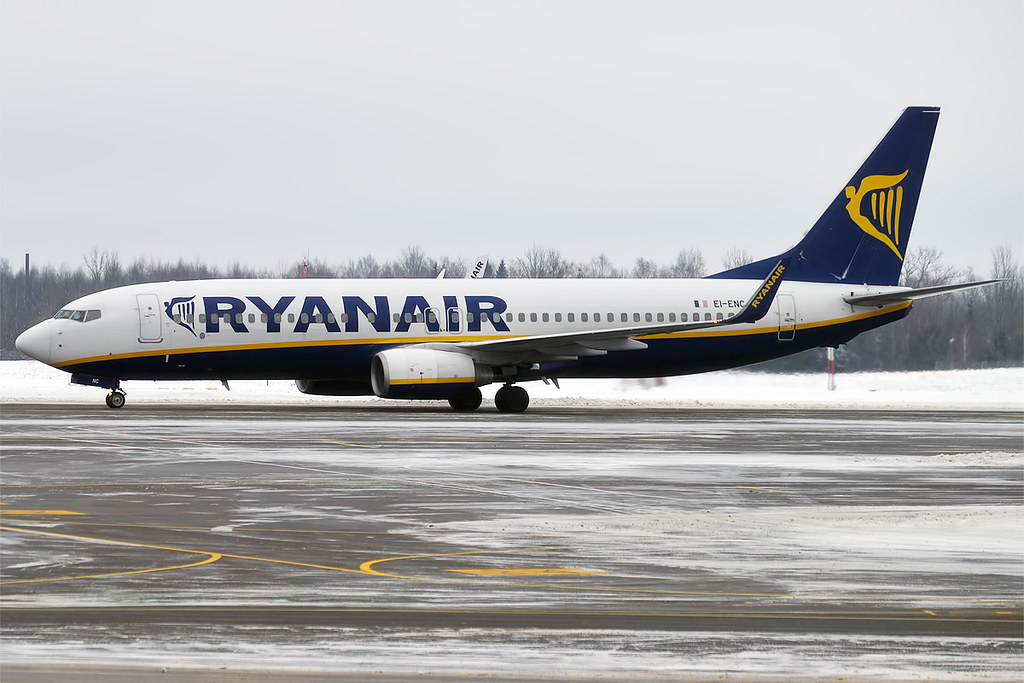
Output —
<point x="35" y="342"/>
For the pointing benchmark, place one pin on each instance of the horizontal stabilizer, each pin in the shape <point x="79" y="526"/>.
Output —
<point x="904" y="295"/>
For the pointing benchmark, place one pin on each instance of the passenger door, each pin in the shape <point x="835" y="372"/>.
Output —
<point x="787" y="317"/>
<point x="150" y="327"/>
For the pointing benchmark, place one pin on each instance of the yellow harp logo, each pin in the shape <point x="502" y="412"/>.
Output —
<point x="886" y="196"/>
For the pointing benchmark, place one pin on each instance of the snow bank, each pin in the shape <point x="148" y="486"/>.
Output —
<point x="997" y="389"/>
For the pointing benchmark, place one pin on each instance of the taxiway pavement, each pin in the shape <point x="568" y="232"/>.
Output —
<point x="611" y="541"/>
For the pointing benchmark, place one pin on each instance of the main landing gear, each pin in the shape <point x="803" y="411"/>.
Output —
<point x="509" y="399"/>
<point x="467" y="402"/>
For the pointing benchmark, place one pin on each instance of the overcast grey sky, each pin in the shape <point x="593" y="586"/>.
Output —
<point x="261" y="131"/>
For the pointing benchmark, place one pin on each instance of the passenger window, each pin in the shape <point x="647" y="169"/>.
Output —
<point x="469" y="317"/>
<point x="610" y="317"/>
<point x="684" y="317"/>
<point x="508" y="317"/>
<point x="252" y="317"/>
<point x="371" y="318"/>
<point x="238" y="318"/>
<point x="263" y="317"/>
<point x="583" y="317"/>
<point x="533" y="317"/>
<point x="304" y="318"/>
<point x="544" y="317"/>
<point x="522" y="317"/>
<point x="318" y="318"/>
<point x="277" y="318"/>
<point x="343" y="317"/>
<point x="558" y="317"/>
<point x="291" y="317"/>
<point x="719" y="316"/>
<point x="647" y="317"/>
<point x="624" y="317"/>
<point x="408" y="317"/>
<point x="570" y="317"/>
<point x="431" y="317"/>
<point x="202" y="318"/>
<point x="707" y="316"/>
<point x="95" y="315"/>
<point x="661" y="317"/>
<point x="671" y="317"/>
<point x="177" y="318"/>
<point x="636" y="317"/>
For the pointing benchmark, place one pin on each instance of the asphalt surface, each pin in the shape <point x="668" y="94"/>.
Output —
<point x="271" y="534"/>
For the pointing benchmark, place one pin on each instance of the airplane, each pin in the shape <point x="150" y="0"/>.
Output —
<point x="445" y="338"/>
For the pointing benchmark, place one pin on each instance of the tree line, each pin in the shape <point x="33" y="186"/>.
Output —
<point x="976" y="328"/>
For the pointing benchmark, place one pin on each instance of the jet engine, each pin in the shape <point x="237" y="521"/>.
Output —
<point x="418" y="373"/>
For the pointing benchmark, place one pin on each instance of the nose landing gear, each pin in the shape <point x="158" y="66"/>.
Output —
<point x="115" y="399"/>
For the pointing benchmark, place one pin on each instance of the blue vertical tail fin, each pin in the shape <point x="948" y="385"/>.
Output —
<point x="862" y="236"/>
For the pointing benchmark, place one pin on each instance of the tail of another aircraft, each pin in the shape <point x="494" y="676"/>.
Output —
<point x="862" y="236"/>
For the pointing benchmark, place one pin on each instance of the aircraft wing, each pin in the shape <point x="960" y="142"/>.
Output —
<point x="901" y="296"/>
<point x="599" y="342"/>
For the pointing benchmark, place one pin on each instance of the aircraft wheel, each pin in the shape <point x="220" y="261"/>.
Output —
<point x="115" y="399"/>
<point x="511" y="399"/>
<point x="467" y="402"/>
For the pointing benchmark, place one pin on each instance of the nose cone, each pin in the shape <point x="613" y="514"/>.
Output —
<point x="35" y="342"/>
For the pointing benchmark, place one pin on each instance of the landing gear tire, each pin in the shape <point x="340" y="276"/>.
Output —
<point x="115" y="399"/>
<point x="467" y="402"/>
<point x="511" y="399"/>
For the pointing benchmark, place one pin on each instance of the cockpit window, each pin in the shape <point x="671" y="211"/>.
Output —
<point x="78" y="316"/>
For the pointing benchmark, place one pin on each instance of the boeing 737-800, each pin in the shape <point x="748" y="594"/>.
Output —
<point x="444" y="338"/>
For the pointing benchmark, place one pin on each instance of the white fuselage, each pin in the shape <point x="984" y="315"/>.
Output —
<point x="207" y="328"/>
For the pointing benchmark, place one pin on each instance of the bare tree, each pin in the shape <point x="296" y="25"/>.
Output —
<point x="689" y="263"/>
<point x="600" y="267"/>
<point x="923" y="267"/>
<point x="644" y="269"/>
<point x="538" y="262"/>
<point x="413" y="262"/>
<point x="104" y="267"/>
<point x="736" y="256"/>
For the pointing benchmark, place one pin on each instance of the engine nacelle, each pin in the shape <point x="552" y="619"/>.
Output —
<point x="333" y="387"/>
<point x="416" y="373"/>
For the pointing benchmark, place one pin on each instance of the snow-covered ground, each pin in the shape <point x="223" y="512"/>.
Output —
<point x="995" y="389"/>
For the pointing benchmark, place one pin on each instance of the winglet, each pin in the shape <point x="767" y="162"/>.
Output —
<point x="764" y="295"/>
